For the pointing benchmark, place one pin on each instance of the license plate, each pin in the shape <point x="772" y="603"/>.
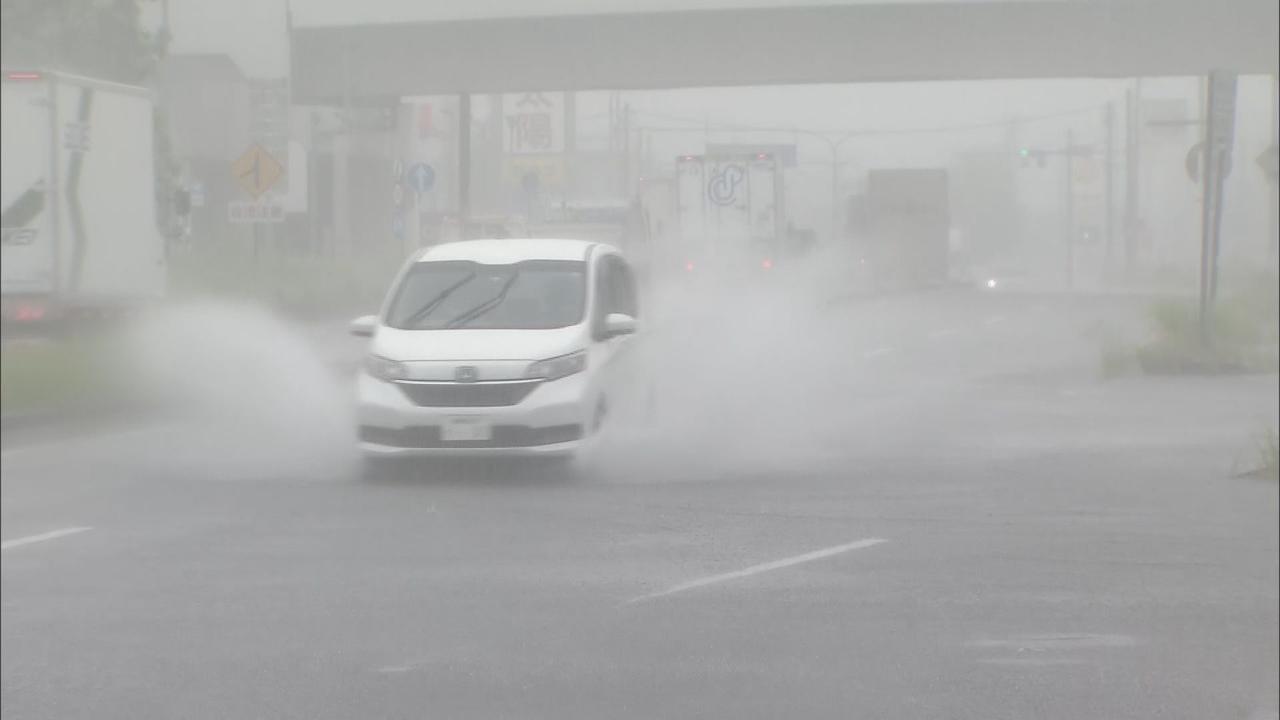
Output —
<point x="466" y="429"/>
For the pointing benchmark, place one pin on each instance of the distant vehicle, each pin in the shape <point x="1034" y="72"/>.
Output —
<point x="729" y="213"/>
<point x="509" y="347"/>
<point x="78" y="192"/>
<point x="901" y="229"/>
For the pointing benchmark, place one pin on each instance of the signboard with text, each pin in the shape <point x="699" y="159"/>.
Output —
<point x="533" y="123"/>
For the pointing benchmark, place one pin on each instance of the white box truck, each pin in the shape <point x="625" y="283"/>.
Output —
<point x="79" y="225"/>
<point x="729" y="212"/>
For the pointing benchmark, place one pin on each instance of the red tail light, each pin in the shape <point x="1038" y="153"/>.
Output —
<point x="766" y="263"/>
<point x="688" y="266"/>
<point x="29" y="313"/>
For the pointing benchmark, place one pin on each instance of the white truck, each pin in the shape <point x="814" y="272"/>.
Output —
<point x="729" y="212"/>
<point x="79" y="225"/>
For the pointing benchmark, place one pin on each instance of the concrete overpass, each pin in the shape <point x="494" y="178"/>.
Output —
<point x="886" y="41"/>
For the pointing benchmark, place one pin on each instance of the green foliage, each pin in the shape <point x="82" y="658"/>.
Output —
<point x="299" y="285"/>
<point x="1268" y="448"/>
<point x="60" y="374"/>
<point x="1243" y="338"/>
<point x="97" y="38"/>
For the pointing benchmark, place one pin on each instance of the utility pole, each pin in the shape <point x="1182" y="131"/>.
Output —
<point x="835" y="192"/>
<point x="1133" y="171"/>
<point x="1219" y="136"/>
<point x="570" y="146"/>
<point x="1109" y="117"/>
<point x="1273" y="202"/>
<point x="1069" y="166"/>
<point x="626" y="150"/>
<point x="464" y="160"/>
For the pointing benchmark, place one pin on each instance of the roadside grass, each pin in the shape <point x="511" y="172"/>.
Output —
<point x="297" y="286"/>
<point x="62" y="374"/>
<point x="1268" y="448"/>
<point x="1246" y="336"/>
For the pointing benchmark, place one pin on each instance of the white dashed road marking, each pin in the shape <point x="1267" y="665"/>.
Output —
<point x="54" y="535"/>
<point x="946" y="332"/>
<point x="877" y="352"/>
<point x="764" y="567"/>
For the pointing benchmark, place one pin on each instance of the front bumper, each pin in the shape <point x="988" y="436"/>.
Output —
<point x="553" y="419"/>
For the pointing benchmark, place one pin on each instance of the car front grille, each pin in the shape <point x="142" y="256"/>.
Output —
<point x="504" y="436"/>
<point x="479" y="394"/>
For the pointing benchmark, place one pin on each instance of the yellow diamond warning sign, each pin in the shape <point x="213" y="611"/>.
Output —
<point x="256" y="170"/>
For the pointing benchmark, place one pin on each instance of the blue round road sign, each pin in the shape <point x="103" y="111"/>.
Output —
<point x="421" y="177"/>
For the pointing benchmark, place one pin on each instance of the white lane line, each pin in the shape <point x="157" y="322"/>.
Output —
<point x="53" y="535"/>
<point x="993" y="320"/>
<point x="877" y="352"/>
<point x="764" y="567"/>
<point x="945" y="332"/>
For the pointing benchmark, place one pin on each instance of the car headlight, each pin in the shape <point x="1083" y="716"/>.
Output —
<point x="384" y="369"/>
<point x="558" y="367"/>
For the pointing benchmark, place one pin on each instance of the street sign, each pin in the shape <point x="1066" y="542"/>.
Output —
<point x="196" y="189"/>
<point x="255" y="211"/>
<point x="256" y="170"/>
<point x="1195" y="158"/>
<point x="533" y="123"/>
<point x="550" y="170"/>
<point x="1270" y="164"/>
<point x="268" y="124"/>
<point x="421" y="177"/>
<point x="1222" y="107"/>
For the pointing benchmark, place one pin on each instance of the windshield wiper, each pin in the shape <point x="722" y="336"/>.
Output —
<point x="434" y="302"/>
<point x="485" y="306"/>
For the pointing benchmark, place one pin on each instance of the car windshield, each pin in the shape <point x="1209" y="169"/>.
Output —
<point x="529" y="295"/>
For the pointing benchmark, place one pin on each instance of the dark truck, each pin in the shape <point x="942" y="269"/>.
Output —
<point x="900" y="229"/>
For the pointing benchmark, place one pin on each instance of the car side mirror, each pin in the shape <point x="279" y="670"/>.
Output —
<point x="619" y="324"/>
<point x="364" y="326"/>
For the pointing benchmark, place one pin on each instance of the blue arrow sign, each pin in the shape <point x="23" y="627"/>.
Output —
<point x="421" y="177"/>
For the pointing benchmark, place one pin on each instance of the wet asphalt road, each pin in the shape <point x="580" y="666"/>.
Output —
<point x="1053" y="546"/>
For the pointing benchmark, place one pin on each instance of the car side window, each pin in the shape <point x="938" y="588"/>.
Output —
<point x="624" y="288"/>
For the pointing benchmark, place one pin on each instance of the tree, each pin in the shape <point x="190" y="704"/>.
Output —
<point x="97" y="38"/>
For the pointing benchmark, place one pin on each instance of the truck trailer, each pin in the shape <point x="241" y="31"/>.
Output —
<point x="78" y="191"/>
<point x="901" y="229"/>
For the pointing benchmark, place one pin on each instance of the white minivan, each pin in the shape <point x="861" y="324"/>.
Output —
<point x="509" y="347"/>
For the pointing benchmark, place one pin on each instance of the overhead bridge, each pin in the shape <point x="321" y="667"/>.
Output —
<point x="780" y="45"/>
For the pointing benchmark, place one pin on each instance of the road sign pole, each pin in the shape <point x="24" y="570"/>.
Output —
<point x="1208" y="176"/>
<point x="1133" y="169"/>
<point x="1110" y="119"/>
<point x="1068" y="163"/>
<point x="1218" y="140"/>
<point x="1273" y="202"/>
<point x="464" y="159"/>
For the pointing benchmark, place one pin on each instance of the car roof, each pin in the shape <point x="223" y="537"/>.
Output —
<point x="511" y="250"/>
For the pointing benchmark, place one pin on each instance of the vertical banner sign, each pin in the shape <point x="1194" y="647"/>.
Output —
<point x="533" y="139"/>
<point x="533" y="123"/>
